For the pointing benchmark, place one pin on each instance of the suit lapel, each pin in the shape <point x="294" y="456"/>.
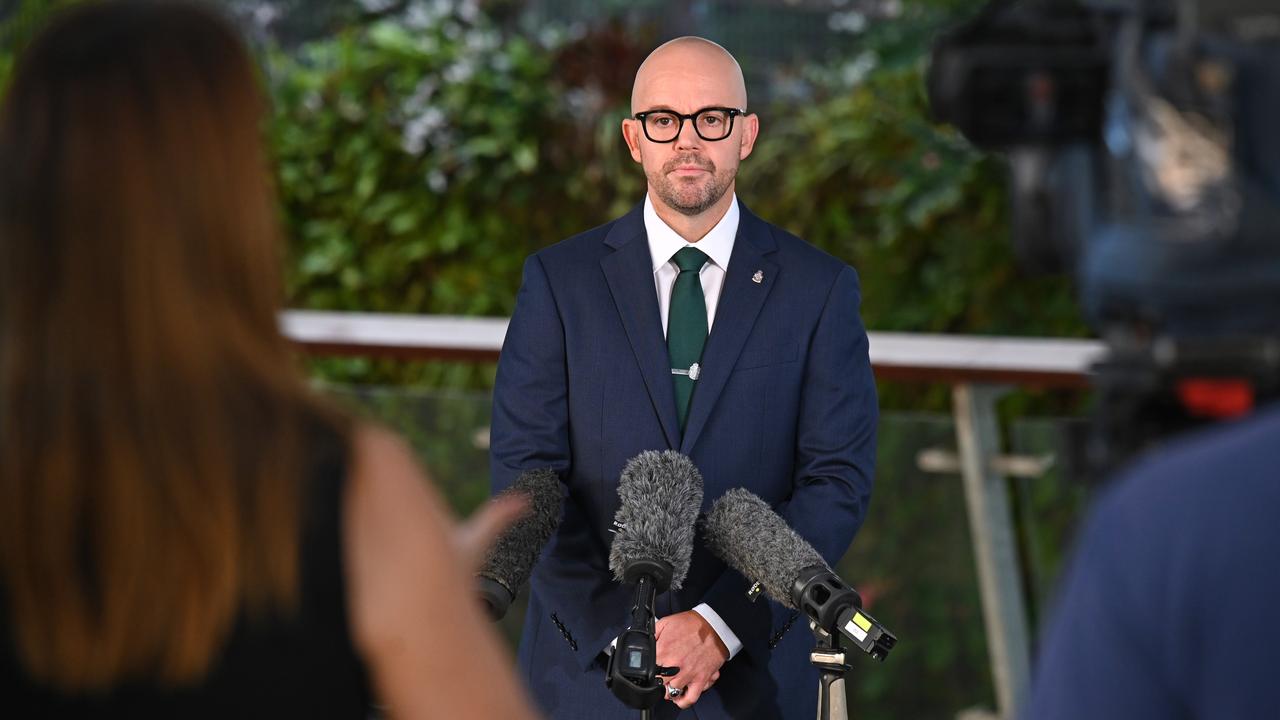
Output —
<point x="740" y="301"/>
<point x="629" y="272"/>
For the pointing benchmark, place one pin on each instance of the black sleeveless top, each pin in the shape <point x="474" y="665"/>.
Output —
<point x="299" y="667"/>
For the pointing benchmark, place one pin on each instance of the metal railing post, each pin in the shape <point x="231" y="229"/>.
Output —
<point x="994" y="547"/>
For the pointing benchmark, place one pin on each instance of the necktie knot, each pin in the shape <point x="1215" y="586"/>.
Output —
<point x="690" y="258"/>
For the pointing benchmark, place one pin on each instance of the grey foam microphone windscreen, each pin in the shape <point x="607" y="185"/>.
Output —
<point x="661" y="494"/>
<point x="512" y="557"/>
<point x="750" y="537"/>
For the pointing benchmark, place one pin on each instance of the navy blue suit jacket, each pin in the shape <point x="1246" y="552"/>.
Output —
<point x="785" y="407"/>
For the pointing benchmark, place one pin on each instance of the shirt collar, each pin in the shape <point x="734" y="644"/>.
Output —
<point x="665" y="242"/>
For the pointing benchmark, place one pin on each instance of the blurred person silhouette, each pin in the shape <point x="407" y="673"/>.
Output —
<point x="1165" y="611"/>
<point x="185" y="529"/>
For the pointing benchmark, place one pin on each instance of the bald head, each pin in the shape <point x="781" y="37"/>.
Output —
<point x="686" y="74"/>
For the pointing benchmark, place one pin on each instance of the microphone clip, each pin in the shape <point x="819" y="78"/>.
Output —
<point x="835" y="609"/>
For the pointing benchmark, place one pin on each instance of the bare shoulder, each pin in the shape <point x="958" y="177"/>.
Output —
<point x="387" y="481"/>
<point x="379" y="451"/>
<point x="393" y="520"/>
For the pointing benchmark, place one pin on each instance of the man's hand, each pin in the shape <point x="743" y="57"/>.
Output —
<point x="687" y="641"/>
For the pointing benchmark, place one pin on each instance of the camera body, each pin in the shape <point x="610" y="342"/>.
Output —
<point x="1144" y="160"/>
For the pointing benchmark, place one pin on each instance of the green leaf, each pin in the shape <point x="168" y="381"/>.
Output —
<point x="525" y="158"/>
<point x="403" y="222"/>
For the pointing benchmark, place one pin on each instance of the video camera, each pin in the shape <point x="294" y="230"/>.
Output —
<point x="1143" y="141"/>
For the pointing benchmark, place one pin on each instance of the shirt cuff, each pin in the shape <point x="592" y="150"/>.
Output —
<point x="727" y="637"/>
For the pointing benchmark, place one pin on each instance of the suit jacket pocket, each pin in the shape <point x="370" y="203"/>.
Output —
<point x="768" y="355"/>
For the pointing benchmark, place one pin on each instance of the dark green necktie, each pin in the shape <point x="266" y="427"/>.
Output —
<point x="686" y="327"/>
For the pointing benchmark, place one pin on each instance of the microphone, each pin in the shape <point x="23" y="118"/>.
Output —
<point x="654" y="529"/>
<point x="510" y="560"/>
<point x="744" y="532"/>
<point x="661" y="493"/>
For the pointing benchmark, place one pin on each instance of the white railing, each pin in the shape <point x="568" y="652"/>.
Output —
<point x="895" y="356"/>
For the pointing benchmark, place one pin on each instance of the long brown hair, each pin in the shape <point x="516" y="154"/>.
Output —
<point x="151" y="415"/>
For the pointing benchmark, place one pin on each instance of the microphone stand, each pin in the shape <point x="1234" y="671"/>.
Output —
<point x="835" y="609"/>
<point x="828" y="657"/>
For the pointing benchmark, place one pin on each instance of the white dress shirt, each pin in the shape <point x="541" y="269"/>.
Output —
<point x="664" y="243"/>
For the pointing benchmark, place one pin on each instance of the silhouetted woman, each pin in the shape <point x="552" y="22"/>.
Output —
<point x="185" y="529"/>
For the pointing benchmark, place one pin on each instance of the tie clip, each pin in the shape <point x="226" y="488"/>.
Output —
<point x="694" y="371"/>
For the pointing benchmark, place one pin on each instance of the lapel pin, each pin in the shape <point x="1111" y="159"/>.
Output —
<point x="758" y="277"/>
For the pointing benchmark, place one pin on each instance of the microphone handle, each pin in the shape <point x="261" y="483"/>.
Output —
<point x="642" y="610"/>
<point x="633" y="668"/>
<point x="495" y="596"/>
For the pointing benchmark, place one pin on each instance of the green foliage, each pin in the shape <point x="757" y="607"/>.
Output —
<point x="418" y="168"/>
<point x="407" y="165"/>
<point x="418" y="164"/>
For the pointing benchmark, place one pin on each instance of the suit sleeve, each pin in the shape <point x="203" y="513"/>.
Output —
<point x="529" y="430"/>
<point x="834" y="453"/>
<point x="530" y="426"/>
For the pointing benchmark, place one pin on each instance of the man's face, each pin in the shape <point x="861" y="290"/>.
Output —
<point x="690" y="174"/>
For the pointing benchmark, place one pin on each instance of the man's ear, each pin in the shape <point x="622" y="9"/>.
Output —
<point x="750" y="129"/>
<point x="631" y="131"/>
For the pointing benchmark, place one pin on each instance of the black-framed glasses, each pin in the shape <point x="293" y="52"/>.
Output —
<point x="711" y="123"/>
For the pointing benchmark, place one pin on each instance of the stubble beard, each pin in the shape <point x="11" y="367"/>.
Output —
<point x="691" y="196"/>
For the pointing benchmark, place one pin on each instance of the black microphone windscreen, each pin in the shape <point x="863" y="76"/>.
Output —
<point x="744" y="532"/>
<point x="661" y="494"/>
<point x="514" y="553"/>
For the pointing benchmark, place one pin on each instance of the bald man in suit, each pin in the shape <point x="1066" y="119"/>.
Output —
<point x="687" y="324"/>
